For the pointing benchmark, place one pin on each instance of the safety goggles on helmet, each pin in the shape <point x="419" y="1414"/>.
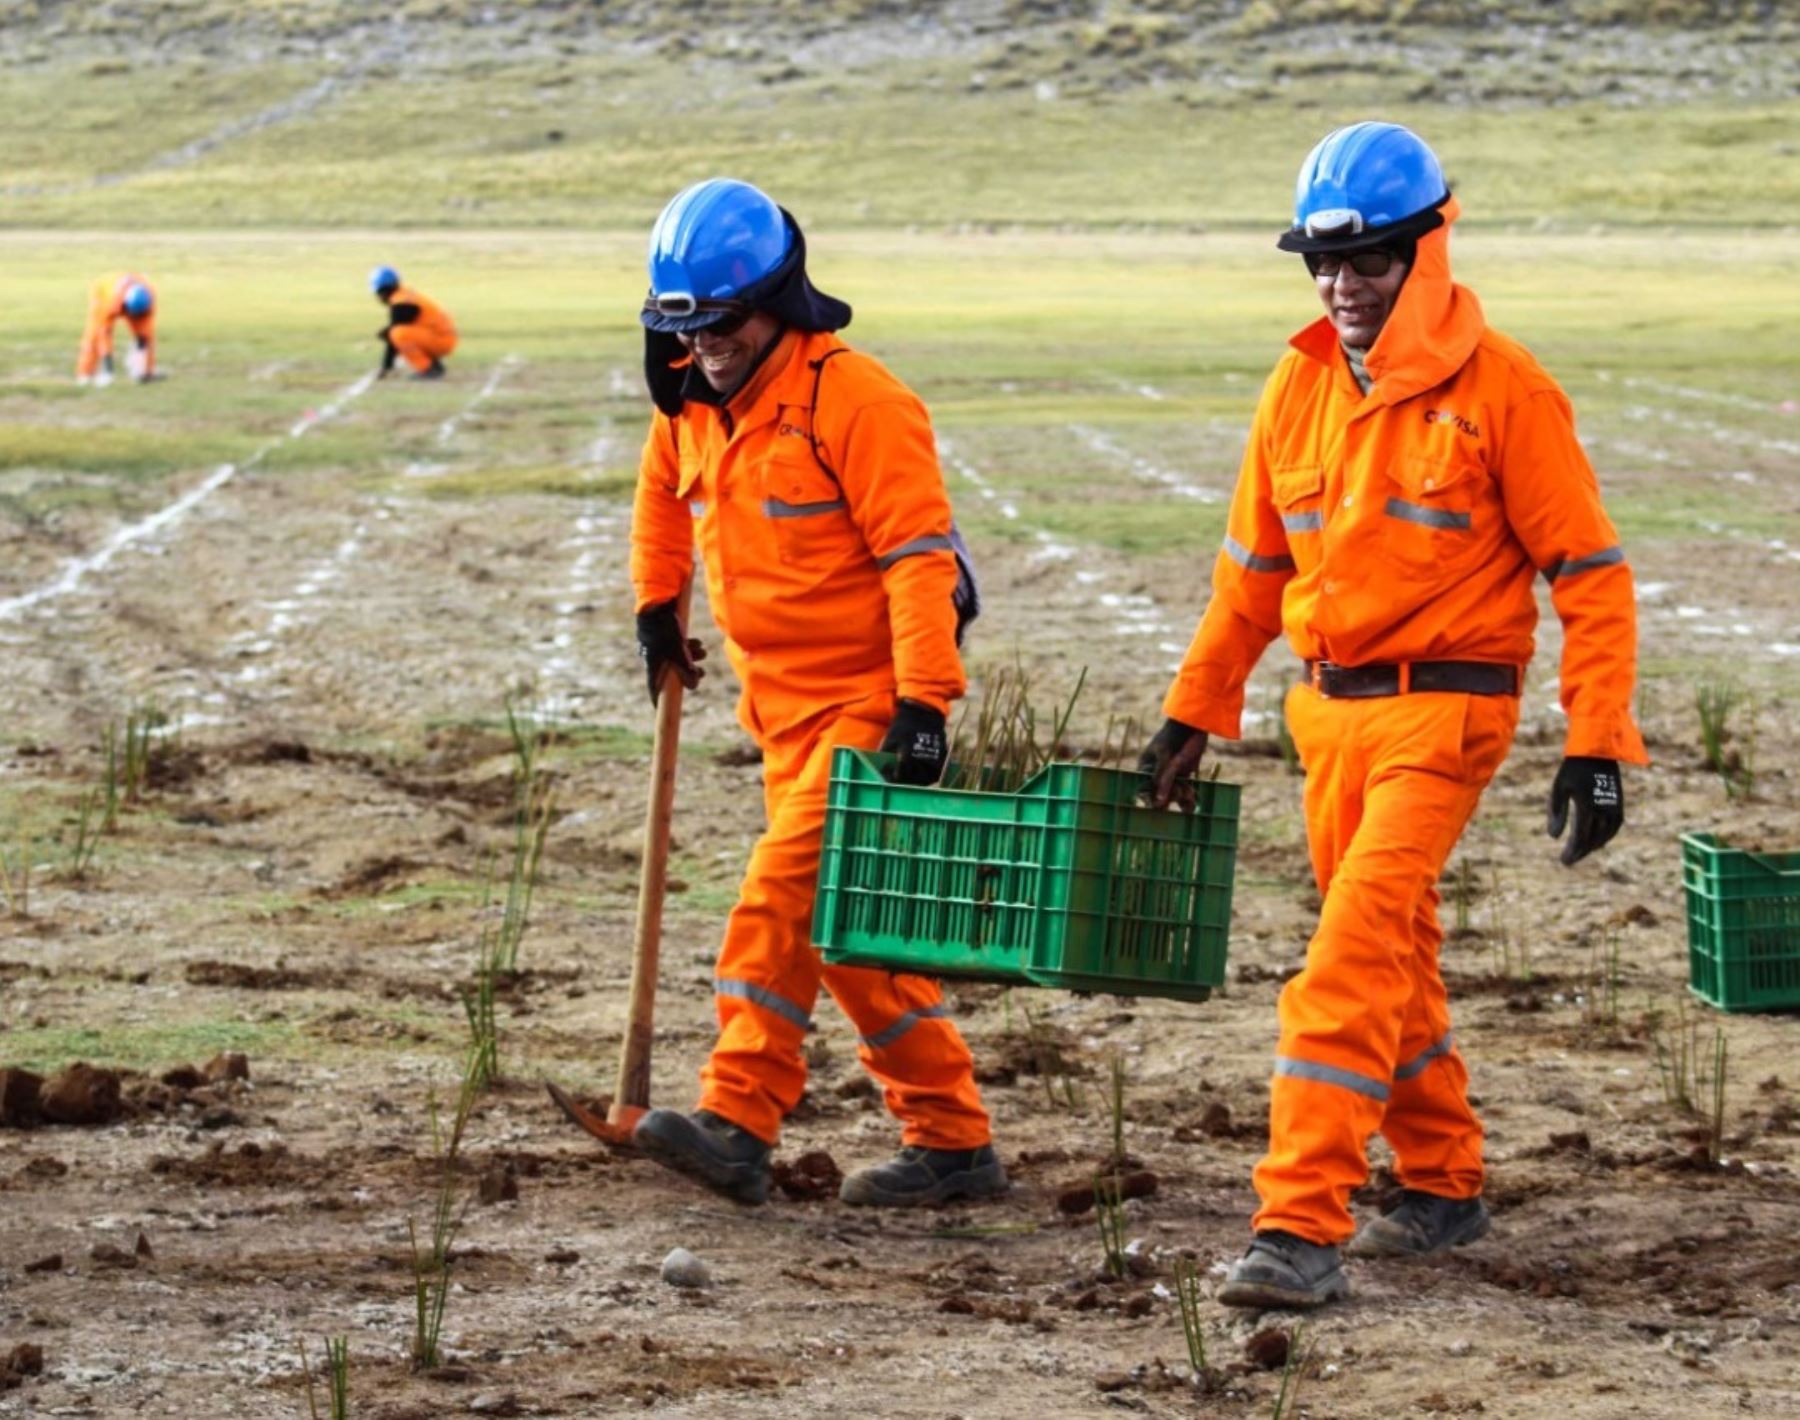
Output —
<point x="694" y="314"/>
<point x="1369" y="261"/>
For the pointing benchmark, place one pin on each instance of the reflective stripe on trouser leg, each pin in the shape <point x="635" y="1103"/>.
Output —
<point x="1430" y="1125"/>
<point x="768" y="972"/>
<point x="1390" y="785"/>
<point x="910" y="1046"/>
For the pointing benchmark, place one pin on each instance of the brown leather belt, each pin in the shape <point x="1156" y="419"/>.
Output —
<point x="1366" y="682"/>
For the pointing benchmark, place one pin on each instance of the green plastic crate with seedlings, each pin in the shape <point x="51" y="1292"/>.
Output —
<point x="1025" y="867"/>
<point x="1743" y="916"/>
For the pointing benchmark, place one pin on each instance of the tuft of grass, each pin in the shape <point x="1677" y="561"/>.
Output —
<point x="89" y="823"/>
<point x="533" y="809"/>
<point x="1288" y="1398"/>
<point x="1109" y="1213"/>
<point x="337" y="1378"/>
<point x="15" y="876"/>
<point x="1193" y="1325"/>
<point x="431" y="1268"/>
<point x="1717" y="702"/>
<point x="1600" y="1006"/>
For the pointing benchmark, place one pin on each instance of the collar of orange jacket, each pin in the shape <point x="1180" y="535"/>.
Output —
<point x="744" y="398"/>
<point x="1430" y="333"/>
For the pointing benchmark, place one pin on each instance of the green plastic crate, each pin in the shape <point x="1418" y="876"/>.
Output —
<point x="1067" y="883"/>
<point x="1743" y="912"/>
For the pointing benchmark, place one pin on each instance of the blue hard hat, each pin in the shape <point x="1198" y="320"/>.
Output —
<point x="716" y="241"/>
<point x="138" y="300"/>
<point x="384" y="279"/>
<point x="1362" y="184"/>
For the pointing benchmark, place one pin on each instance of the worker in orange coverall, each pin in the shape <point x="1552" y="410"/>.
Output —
<point x="418" y="327"/>
<point x="1410" y="473"/>
<point x="121" y="296"/>
<point x="808" y="475"/>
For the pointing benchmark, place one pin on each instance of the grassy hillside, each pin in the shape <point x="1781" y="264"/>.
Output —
<point x="196" y="113"/>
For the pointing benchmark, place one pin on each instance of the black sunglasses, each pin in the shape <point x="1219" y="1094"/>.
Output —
<point x="1375" y="261"/>
<point x="732" y="315"/>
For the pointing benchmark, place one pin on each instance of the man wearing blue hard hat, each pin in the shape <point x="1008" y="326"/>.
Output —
<point x="121" y="296"/>
<point x="807" y="476"/>
<point x="1410" y="474"/>
<point x="418" y="329"/>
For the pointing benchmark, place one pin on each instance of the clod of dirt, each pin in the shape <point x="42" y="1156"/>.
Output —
<point x="507" y="1404"/>
<point x="1110" y="1382"/>
<point x="499" y="1184"/>
<point x="183" y="1077"/>
<point x="19" y="1099"/>
<point x="1079" y="1198"/>
<point x="143" y="1248"/>
<point x="227" y="1065"/>
<point x="52" y="1263"/>
<point x="1268" y="1348"/>
<point x="23" y="1360"/>
<point x="562" y="1256"/>
<point x="284" y="752"/>
<point x="109" y="1256"/>
<point x="44" y="1167"/>
<point x="682" y="1269"/>
<point x="81" y="1095"/>
<point x="812" y="1176"/>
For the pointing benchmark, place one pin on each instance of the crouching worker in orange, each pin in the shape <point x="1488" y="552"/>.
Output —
<point x="808" y="476"/>
<point x="121" y="296"/>
<point x="418" y="327"/>
<point x="1410" y="473"/>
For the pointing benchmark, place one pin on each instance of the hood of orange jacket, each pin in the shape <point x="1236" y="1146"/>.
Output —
<point x="1430" y="333"/>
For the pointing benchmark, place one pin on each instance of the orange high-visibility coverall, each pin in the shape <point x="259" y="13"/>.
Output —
<point x="431" y="337"/>
<point x="833" y="591"/>
<point x="1400" y="526"/>
<point x="106" y="304"/>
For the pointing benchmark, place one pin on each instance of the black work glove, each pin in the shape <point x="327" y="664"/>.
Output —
<point x="665" y="647"/>
<point x="1172" y="755"/>
<point x="916" y="740"/>
<point x="1598" y="794"/>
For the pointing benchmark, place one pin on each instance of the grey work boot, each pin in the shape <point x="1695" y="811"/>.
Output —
<point x="918" y="1176"/>
<point x="1282" y="1270"/>
<point x="1422" y="1223"/>
<point x="707" y="1147"/>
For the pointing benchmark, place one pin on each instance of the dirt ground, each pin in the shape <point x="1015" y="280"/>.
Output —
<point x="282" y="891"/>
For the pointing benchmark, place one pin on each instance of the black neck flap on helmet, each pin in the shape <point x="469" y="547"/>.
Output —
<point x="785" y="293"/>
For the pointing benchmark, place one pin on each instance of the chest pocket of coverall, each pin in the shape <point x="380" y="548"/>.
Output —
<point x="1430" y="517"/>
<point x="1299" y="492"/>
<point x="806" y="509"/>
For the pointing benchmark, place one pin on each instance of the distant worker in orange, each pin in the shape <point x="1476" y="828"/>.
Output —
<point x="1410" y="474"/>
<point x="807" y="474"/>
<point x="418" y="327"/>
<point x="121" y="296"/>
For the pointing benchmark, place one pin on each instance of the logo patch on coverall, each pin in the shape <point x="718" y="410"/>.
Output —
<point x="1450" y="416"/>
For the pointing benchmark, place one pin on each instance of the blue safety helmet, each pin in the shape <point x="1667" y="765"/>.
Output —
<point x="719" y="240"/>
<point x="138" y="300"/>
<point x="384" y="279"/>
<point x="1365" y="184"/>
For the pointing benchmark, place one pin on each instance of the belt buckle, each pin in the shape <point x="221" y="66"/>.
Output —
<point x="1318" y="677"/>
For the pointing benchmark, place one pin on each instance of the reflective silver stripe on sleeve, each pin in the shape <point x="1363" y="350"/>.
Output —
<point x="900" y="1027"/>
<point x="1251" y="562"/>
<point x="1303" y="522"/>
<point x="775" y="508"/>
<point x="1429" y="517"/>
<point x="937" y="542"/>
<point x="1417" y="1064"/>
<point x="1331" y="1075"/>
<point x="762" y="996"/>
<point x="1606" y="557"/>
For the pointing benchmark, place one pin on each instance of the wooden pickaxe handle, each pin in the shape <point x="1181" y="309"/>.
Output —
<point x="631" y="1096"/>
